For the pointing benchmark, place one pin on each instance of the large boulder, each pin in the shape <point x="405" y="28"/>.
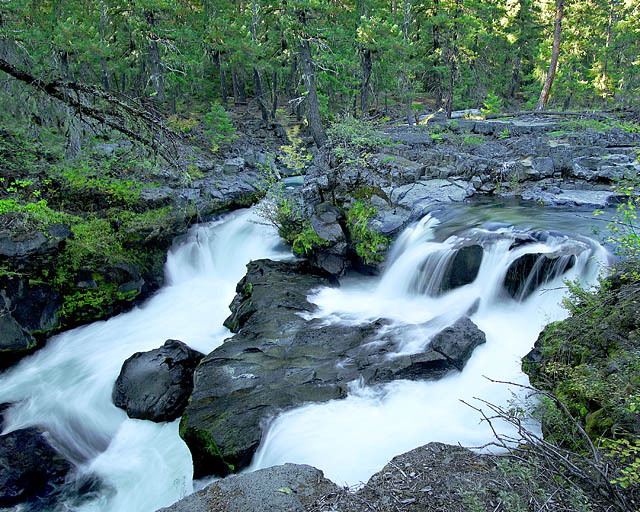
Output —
<point x="156" y="385"/>
<point x="278" y="360"/>
<point x="27" y="312"/>
<point x="332" y="254"/>
<point x="286" y="488"/>
<point x="31" y="471"/>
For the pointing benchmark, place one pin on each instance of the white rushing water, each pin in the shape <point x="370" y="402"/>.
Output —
<point x="353" y="438"/>
<point x="66" y="387"/>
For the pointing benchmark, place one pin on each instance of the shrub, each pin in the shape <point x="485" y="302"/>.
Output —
<point x="492" y="105"/>
<point x="351" y="137"/>
<point x="219" y="127"/>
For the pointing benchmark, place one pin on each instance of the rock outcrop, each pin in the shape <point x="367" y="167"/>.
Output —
<point x="156" y="385"/>
<point x="286" y="488"/>
<point x="278" y="361"/>
<point x="31" y="471"/>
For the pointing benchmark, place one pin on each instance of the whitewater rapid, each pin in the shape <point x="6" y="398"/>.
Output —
<point x="66" y="386"/>
<point x="353" y="438"/>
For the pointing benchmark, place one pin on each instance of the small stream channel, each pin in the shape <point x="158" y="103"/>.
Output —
<point x="142" y="466"/>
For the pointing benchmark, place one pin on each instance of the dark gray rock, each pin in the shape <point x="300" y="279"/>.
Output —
<point x="285" y="488"/>
<point x="463" y="268"/>
<point x="458" y="341"/>
<point x="26" y="313"/>
<point x="532" y="270"/>
<point x="331" y="256"/>
<point x="233" y="165"/>
<point x="156" y="385"/>
<point x="278" y="360"/>
<point x="14" y="340"/>
<point x="31" y="471"/>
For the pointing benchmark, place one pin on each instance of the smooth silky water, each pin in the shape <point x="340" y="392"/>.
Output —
<point x="66" y="387"/>
<point x="353" y="438"/>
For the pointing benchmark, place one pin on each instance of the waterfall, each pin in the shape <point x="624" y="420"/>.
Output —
<point x="66" y="387"/>
<point x="351" y="439"/>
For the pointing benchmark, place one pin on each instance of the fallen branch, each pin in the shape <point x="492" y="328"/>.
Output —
<point x="137" y="122"/>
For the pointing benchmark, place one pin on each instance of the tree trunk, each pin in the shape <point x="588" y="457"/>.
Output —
<point x="452" y="60"/>
<point x="313" y="111"/>
<point x="260" y="95"/>
<point x="223" y="78"/>
<point x="555" y="52"/>
<point x="605" y="64"/>
<point x="366" y="79"/>
<point x="405" y="74"/>
<point x="242" y="92"/>
<point x="155" y="64"/>
<point x="234" y="86"/>
<point x="514" y="85"/>
<point x="274" y="94"/>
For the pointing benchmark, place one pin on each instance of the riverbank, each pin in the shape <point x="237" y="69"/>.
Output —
<point x="356" y="199"/>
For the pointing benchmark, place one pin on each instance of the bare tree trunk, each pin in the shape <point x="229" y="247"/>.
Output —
<point x="313" y="111"/>
<point x="366" y="79"/>
<point x="452" y="60"/>
<point x="555" y="52"/>
<point x="605" y="64"/>
<point x="260" y="95"/>
<point x="274" y="94"/>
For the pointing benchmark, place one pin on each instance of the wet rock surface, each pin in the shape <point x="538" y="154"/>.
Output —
<point x="532" y="270"/>
<point x="31" y="471"/>
<point x="278" y="360"/>
<point x="156" y="385"/>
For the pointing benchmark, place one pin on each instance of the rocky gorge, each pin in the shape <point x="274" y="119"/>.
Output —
<point x="281" y="355"/>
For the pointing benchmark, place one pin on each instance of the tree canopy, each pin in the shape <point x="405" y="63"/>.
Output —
<point x="330" y="57"/>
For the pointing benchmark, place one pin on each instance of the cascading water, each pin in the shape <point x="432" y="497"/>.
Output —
<point x="351" y="439"/>
<point x="66" y="387"/>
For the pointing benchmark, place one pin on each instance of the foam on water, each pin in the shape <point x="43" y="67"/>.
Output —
<point x="66" y="387"/>
<point x="351" y="439"/>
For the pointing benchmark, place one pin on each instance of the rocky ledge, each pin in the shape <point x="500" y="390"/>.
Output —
<point x="279" y="360"/>
<point x="433" y="478"/>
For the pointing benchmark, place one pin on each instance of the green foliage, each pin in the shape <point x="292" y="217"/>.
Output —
<point x="219" y="127"/>
<point x="24" y="210"/>
<point x="591" y="363"/>
<point x="295" y="155"/>
<point x="94" y="241"/>
<point x="182" y="124"/>
<point x="624" y="225"/>
<point x="370" y="245"/>
<point x="83" y="178"/>
<point x="492" y="105"/>
<point x="627" y="453"/>
<point x="351" y="137"/>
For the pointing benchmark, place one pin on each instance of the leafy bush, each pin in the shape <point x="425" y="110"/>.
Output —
<point x="492" y="105"/>
<point x="351" y="137"/>
<point x="84" y="179"/>
<point x="219" y="127"/>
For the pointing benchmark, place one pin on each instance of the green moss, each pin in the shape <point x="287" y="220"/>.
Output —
<point x="370" y="245"/>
